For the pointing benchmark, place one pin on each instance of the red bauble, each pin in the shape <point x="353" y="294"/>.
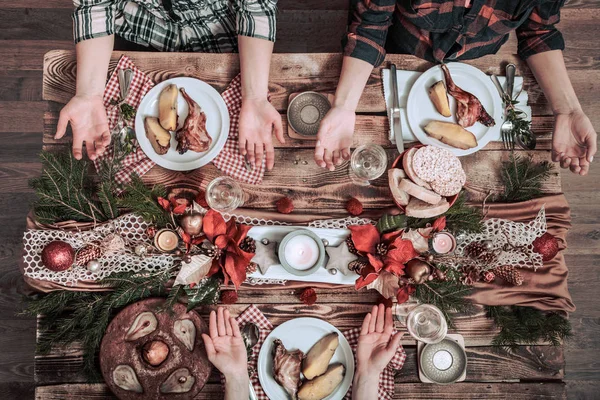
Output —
<point x="354" y="206"/>
<point x="547" y="246"/>
<point x="58" y="256"/>
<point x="229" y="297"/>
<point x="285" y="205"/>
<point x="308" y="296"/>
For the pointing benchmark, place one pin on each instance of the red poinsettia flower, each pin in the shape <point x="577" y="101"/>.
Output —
<point x="439" y="224"/>
<point x="404" y="293"/>
<point x="177" y="205"/>
<point x="227" y="237"/>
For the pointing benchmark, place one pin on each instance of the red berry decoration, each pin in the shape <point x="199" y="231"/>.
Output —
<point x="285" y="205"/>
<point x="229" y="297"/>
<point x="547" y="246"/>
<point x="354" y="206"/>
<point x="58" y="256"/>
<point x="308" y="296"/>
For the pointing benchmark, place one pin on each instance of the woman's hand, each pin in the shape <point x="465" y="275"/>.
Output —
<point x="376" y="344"/>
<point x="258" y="120"/>
<point x="574" y="142"/>
<point x="335" y="137"/>
<point x="88" y="123"/>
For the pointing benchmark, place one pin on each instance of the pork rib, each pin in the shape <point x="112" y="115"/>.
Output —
<point x="468" y="107"/>
<point x="286" y="368"/>
<point x="193" y="135"/>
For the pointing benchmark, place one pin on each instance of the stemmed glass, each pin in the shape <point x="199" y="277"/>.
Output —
<point x="426" y="323"/>
<point x="368" y="162"/>
<point x="224" y="194"/>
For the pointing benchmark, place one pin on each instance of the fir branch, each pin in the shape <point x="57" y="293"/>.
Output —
<point x="527" y="325"/>
<point x="173" y="298"/>
<point x="143" y="201"/>
<point x="206" y="292"/>
<point x="523" y="178"/>
<point x="108" y="200"/>
<point x="459" y="218"/>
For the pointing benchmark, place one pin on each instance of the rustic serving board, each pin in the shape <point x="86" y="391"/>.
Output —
<point x="531" y="372"/>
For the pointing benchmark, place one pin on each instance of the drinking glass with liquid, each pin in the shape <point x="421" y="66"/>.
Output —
<point x="426" y="323"/>
<point x="224" y="194"/>
<point x="368" y="162"/>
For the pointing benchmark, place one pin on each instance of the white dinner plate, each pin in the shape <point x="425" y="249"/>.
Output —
<point x="217" y="123"/>
<point x="302" y="334"/>
<point x="420" y="110"/>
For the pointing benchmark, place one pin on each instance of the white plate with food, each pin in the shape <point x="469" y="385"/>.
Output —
<point x="323" y="375"/>
<point x="169" y="137"/>
<point x="463" y="127"/>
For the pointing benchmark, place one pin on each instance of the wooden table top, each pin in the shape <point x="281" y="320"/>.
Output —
<point x="530" y="372"/>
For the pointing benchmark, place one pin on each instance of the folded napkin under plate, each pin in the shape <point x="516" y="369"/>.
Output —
<point x="406" y="79"/>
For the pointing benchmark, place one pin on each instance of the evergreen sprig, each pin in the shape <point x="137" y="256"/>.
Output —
<point x="523" y="178"/>
<point x="527" y="325"/>
<point x="65" y="191"/>
<point x="459" y="218"/>
<point x="207" y="292"/>
<point x="143" y="201"/>
<point x="449" y="296"/>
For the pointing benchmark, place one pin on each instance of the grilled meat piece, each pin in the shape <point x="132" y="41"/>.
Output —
<point x="193" y="136"/>
<point x="286" y="368"/>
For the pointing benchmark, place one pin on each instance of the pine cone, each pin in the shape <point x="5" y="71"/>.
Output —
<point x="351" y="247"/>
<point x="470" y="274"/>
<point x="251" y="268"/>
<point x="509" y="274"/>
<point x="248" y="245"/>
<point x="90" y="252"/>
<point x="480" y="252"/>
<point x="357" y="266"/>
<point x="382" y="249"/>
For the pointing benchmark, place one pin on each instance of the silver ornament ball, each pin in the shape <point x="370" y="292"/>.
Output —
<point x="93" y="266"/>
<point x="325" y="242"/>
<point x="333" y="271"/>
<point x="265" y="241"/>
<point x="140" y="250"/>
<point x="488" y="244"/>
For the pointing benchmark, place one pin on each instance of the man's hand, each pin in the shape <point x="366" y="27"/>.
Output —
<point x="335" y="137"/>
<point x="225" y="347"/>
<point x="89" y="124"/>
<point x="376" y="345"/>
<point x="258" y="120"/>
<point x="574" y="142"/>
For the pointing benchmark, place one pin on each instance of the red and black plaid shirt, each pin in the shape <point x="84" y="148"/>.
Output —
<point x="438" y="30"/>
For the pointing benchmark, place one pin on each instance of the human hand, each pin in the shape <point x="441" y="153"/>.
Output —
<point x="335" y="137"/>
<point x="376" y="345"/>
<point x="225" y="347"/>
<point x="574" y="142"/>
<point x="258" y="119"/>
<point x="89" y="124"/>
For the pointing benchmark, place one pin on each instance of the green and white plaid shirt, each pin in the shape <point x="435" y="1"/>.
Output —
<point x="176" y="25"/>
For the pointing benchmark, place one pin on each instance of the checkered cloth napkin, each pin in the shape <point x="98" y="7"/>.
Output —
<point x="253" y="314"/>
<point x="136" y="161"/>
<point x="229" y="160"/>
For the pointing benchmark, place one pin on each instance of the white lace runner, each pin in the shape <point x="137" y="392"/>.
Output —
<point x="130" y="227"/>
<point x="513" y="240"/>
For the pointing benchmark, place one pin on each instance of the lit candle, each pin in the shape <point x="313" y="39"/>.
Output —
<point x="301" y="252"/>
<point x="166" y="240"/>
<point x="443" y="243"/>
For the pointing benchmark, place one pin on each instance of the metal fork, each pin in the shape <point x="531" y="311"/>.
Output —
<point x="506" y="126"/>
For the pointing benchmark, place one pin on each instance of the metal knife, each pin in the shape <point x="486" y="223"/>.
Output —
<point x="395" y="122"/>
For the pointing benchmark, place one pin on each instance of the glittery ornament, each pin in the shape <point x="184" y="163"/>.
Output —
<point x="58" y="256"/>
<point x="354" y="206"/>
<point x="547" y="246"/>
<point x="308" y="296"/>
<point x="93" y="266"/>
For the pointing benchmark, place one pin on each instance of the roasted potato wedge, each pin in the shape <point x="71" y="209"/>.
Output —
<point x="452" y="134"/>
<point x="324" y="385"/>
<point x="439" y="97"/>
<point x="167" y="107"/>
<point x="318" y="357"/>
<point x="159" y="138"/>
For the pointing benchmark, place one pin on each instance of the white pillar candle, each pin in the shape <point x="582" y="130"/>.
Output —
<point x="301" y="252"/>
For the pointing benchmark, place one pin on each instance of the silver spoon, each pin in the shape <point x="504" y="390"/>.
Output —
<point x="124" y="77"/>
<point x="251" y="334"/>
<point x="507" y="126"/>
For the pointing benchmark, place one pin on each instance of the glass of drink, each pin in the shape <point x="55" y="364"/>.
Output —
<point x="224" y="194"/>
<point x="368" y="162"/>
<point x="427" y="324"/>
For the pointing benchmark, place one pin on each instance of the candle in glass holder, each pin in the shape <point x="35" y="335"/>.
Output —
<point x="443" y="243"/>
<point x="301" y="252"/>
<point x="166" y="240"/>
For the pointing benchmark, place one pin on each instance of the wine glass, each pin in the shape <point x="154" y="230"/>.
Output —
<point x="368" y="162"/>
<point x="427" y="324"/>
<point x="224" y="194"/>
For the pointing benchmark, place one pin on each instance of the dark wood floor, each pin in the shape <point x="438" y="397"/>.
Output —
<point x="29" y="28"/>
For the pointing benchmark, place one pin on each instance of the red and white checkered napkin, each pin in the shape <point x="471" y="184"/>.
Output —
<point x="230" y="160"/>
<point x="136" y="161"/>
<point x="253" y="314"/>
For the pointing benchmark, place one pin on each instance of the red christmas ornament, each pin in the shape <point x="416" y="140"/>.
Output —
<point x="308" y="296"/>
<point x="285" y="205"/>
<point x="354" y="206"/>
<point x="488" y="276"/>
<point x="229" y="297"/>
<point x="547" y="246"/>
<point x="58" y="256"/>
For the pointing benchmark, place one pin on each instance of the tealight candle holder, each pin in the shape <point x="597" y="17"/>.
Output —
<point x="301" y="252"/>
<point x="442" y="243"/>
<point x="166" y="240"/>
